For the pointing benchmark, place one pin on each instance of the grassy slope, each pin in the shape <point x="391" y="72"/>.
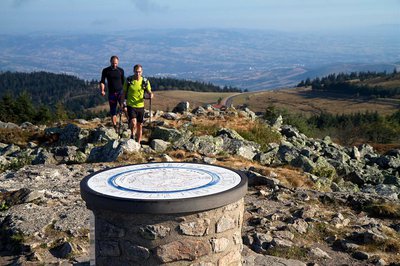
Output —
<point x="295" y="100"/>
<point x="302" y="100"/>
<point x="308" y="102"/>
<point x="167" y="100"/>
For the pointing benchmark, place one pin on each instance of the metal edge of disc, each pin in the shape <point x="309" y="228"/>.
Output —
<point x="96" y="200"/>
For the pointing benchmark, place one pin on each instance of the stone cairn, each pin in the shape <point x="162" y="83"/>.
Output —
<point x="211" y="237"/>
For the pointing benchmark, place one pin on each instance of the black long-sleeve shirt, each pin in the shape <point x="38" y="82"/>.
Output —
<point x="115" y="79"/>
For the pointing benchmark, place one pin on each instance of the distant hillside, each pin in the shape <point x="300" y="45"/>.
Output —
<point x="243" y="58"/>
<point x="375" y="84"/>
<point x="164" y="84"/>
<point x="76" y="96"/>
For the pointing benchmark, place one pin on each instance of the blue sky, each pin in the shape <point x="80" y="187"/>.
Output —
<point x="99" y="16"/>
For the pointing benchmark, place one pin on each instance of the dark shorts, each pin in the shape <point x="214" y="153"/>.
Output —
<point x="137" y="113"/>
<point x="113" y="100"/>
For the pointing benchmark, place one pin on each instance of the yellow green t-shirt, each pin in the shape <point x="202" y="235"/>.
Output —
<point x="134" y="92"/>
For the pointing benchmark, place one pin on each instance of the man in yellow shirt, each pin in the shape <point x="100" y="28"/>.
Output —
<point x="134" y="91"/>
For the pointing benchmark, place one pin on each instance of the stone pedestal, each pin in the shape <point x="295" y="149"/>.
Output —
<point x="197" y="223"/>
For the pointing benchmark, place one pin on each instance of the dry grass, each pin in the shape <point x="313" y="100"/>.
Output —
<point x="288" y="176"/>
<point x="386" y="82"/>
<point x="299" y="100"/>
<point x="306" y="101"/>
<point x="293" y="178"/>
<point x="383" y="209"/>
<point x="205" y="124"/>
<point x="167" y="100"/>
<point x="18" y="136"/>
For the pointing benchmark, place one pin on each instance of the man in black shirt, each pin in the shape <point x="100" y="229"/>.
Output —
<point x="115" y="80"/>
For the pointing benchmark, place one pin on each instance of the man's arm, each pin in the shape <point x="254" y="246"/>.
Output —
<point x="102" y="85"/>
<point x="149" y="89"/>
<point x="122" y="76"/>
<point x="102" y="88"/>
<point x="124" y="94"/>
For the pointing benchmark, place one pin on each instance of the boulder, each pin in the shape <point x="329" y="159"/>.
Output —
<point x="181" y="107"/>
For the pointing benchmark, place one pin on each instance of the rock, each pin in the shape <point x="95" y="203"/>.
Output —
<point x="245" y="149"/>
<point x="107" y="153"/>
<point x="290" y="132"/>
<point x="381" y="262"/>
<point x="72" y="220"/>
<point x="219" y="244"/>
<point x="102" y="135"/>
<point x="9" y="150"/>
<point x="300" y="226"/>
<point x="287" y="153"/>
<point x="319" y="253"/>
<point x="275" y="215"/>
<point x="81" y="121"/>
<point x="347" y="246"/>
<point x="229" y="133"/>
<point x="170" y="116"/>
<point x="179" y="250"/>
<point x="166" y="158"/>
<point x="256" y="179"/>
<point x="209" y="160"/>
<point x="166" y="134"/>
<point x="283" y="235"/>
<point x="62" y="251"/>
<point x="153" y="232"/>
<point x="136" y="253"/>
<point x="225" y="223"/>
<point x="159" y="145"/>
<point x="198" y="228"/>
<point x="277" y="122"/>
<point x="71" y="134"/>
<point x="199" y="111"/>
<point x="129" y="146"/>
<point x="44" y="157"/>
<point x="368" y="237"/>
<point x="261" y="241"/>
<point x="283" y="243"/>
<point x="355" y="154"/>
<point x="8" y="125"/>
<point x="361" y="255"/>
<point x="251" y="258"/>
<point x="69" y="154"/>
<point x="207" y="145"/>
<point x="19" y="214"/>
<point x="181" y="107"/>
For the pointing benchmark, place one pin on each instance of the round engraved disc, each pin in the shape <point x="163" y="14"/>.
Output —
<point x="163" y="187"/>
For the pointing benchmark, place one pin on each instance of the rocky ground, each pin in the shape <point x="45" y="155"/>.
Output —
<point x="309" y="202"/>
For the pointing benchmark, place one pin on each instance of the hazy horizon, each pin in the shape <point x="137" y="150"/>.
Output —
<point x="270" y="43"/>
<point x="101" y="16"/>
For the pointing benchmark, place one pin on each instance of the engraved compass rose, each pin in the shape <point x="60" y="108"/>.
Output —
<point x="163" y="184"/>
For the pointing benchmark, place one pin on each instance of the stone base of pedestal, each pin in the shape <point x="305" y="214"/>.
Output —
<point x="207" y="238"/>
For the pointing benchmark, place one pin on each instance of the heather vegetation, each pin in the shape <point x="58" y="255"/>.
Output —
<point x="348" y="129"/>
<point x="367" y="126"/>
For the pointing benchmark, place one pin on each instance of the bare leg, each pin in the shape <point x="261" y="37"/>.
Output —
<point x="133" y="126"/>
<point x="139" y="132"/>
<point x="114" y="120"/>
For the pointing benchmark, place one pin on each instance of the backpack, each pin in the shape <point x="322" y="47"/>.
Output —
<point x="145" y="83"/>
